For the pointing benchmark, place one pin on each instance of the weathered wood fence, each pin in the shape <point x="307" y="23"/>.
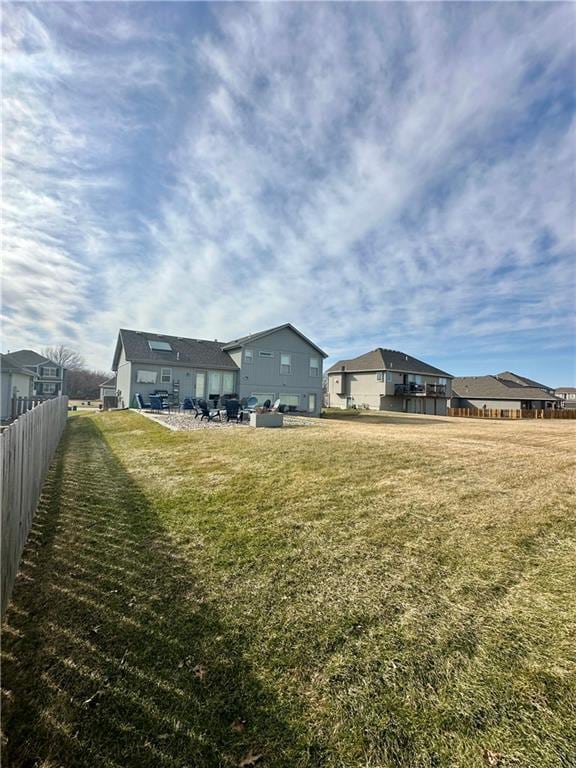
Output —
<point x="27" y="448"/>
<point x="513" y="413"/>
<point x="22" y="404"/>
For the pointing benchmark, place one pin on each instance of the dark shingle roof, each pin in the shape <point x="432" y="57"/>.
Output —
<point x="492" y="387"/>
<point x="387" y="359"/>
<point x="192" y="352"/>
<point x="8" y="363"/>
<point x="109" y="382"/>
<point x="521" y="380"/>
<point x="253" y="336"/>
<point x="29" y="357"/>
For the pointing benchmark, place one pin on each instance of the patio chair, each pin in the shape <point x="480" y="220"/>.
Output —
<point x="141" y="404"/>
<point x="266" y="405"/>
<point x="233" y="412"/>
<point x="157" y="404"/>
<point x="188" y="405"/>
<point x="276" y="405"/>
<point x="206" y="412"/>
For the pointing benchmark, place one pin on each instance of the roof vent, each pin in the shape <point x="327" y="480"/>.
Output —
<point x="177" y="355"/>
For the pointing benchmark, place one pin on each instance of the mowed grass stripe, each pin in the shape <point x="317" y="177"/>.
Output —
<point x="382" y="594"/>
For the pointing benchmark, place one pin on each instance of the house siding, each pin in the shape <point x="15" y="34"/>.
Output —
<point x="13" y="385"/>
<point x="461" y="402"/>
<point x="263" y="374"/>
<point x="362" y="388"/>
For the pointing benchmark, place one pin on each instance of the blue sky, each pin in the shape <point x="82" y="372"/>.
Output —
<point x="391" y="174"/>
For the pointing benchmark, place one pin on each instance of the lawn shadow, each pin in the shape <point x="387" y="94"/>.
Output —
<point x="113" y="655"/>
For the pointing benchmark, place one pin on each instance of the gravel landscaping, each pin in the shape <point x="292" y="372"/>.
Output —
<point x="186" y="421"/>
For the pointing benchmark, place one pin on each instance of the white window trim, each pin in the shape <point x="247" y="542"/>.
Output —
<point x="265" y="353"/>
<point x="48" y="388"/>
<point x="313" y="368"/>
<point x="286" y="365"/>
<point x="162" y="375"/>
<point x="50" y="371"/>
<point x="148" y="376"/>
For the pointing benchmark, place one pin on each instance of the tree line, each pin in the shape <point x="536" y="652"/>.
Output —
<point x="82" y="382"/>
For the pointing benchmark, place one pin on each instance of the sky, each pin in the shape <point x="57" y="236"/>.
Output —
<point x="378" y="174"/>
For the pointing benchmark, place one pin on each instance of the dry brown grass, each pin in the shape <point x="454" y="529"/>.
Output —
<point x="392" y="592"/>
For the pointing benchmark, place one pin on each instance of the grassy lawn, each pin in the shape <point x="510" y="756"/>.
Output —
<point x="352" y="594"/>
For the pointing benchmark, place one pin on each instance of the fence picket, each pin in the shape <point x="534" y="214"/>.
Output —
<point x="27" y="448"/>
<point x="527" y="413"/>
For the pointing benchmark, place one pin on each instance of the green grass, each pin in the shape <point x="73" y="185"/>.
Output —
<point x="397" y="595"/>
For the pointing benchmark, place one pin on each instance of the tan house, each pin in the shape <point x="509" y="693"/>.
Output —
<point x="505" y="391"/>
<point x="567" y="395"/>
<point x="388" y="380"/>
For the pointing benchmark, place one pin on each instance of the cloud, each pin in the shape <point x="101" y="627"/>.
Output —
<point x="392" y="174"/>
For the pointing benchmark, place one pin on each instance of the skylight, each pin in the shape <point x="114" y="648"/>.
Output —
<point x="159" y="346"/>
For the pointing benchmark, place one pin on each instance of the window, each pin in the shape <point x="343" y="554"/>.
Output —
<point x="285" y="363"/>
<point x="228" y="384"/>
<point x="381" y="376"/>
<point x="248" y="355"/>
<point x="314" y="366"/>
<point x="214" y="382"/>
<point x="389" y="377"/>
<point x="262" y="353"/>
<point x="290" y="399"/>
<point x="48" y="389"/>
<point x="200" y="383"/>
<point x="166" y="375"/>
<point x="159" y="346"/>
<point x="263" y="396"/>
<point x="442" y="380"/>
<point x="49" y="371"/>
<point x="146" y="377"/>
<point x="311" y="403"/>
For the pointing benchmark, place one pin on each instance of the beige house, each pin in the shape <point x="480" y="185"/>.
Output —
<point x="567" y="395"/>
<point x="388" y="380"/>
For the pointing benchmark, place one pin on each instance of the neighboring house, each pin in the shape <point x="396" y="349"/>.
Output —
<point x="108" y="388"/>
<point x="49" y="377"/>
<point x="387" y="380"/>
<point x="15" y="381"/>
<point x="567" y="395"/>
<point x="498" y="392"/>
<point x="523" y="381"/>
<point x="277" y="363"/>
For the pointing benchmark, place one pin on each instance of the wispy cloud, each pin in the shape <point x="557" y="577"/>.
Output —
<point x="394" y="174"/>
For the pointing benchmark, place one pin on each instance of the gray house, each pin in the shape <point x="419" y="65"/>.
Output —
<point x="388" y="380"/>
<point x="277" y="363"/>
<point x="500" y="391"/>
<point x="49" y="377"/>
<point x="15" y="381"/>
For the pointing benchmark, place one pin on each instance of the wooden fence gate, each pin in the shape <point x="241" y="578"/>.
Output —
<point x="27" y="448"/>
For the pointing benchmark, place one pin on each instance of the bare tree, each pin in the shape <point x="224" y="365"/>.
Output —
<point x="64" y="357"/>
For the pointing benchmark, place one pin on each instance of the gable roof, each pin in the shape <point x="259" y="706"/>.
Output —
<point x="198" y="353"/>
<point x="380" y="359"/>
<point x="566" y="390"/>
<point x="29" y="357"/>
<point x="109" y="382"/>
<point x="235" y="343"/>
<point x="9" y="364"/>
<point x="495" y="388"/>
<point x="522" y="380"/>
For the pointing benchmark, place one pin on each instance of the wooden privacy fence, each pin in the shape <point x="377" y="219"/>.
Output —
<point x="27" y="447"/>
<point x="22" y="404"/>
<point x="513" y="413"/>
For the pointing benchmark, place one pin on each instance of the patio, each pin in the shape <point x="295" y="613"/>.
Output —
<point x="179" y="422"/>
